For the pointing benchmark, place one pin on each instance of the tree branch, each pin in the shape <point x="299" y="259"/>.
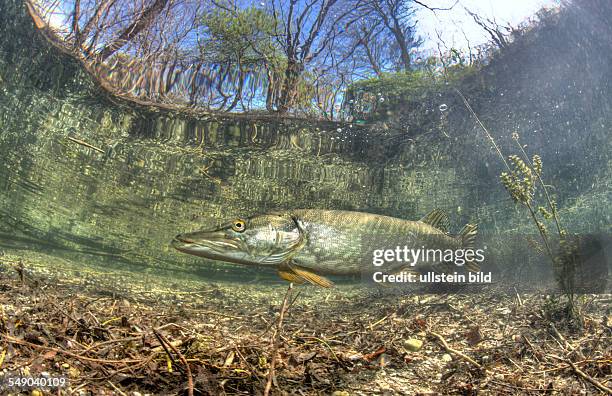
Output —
<point x="146" y="18"/>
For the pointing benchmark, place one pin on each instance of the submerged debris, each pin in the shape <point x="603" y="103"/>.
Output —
<point x="413" y="344"/>
<point x="121" y="335"/>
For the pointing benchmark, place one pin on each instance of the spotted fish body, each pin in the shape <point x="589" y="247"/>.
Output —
<point x="343" y="242"/>
<point x="307" y="244"/>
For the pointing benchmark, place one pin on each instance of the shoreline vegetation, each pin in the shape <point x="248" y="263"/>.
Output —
<point x="119" y="334"/>
<point x="157" y="84"/>
<point x="115" y="95"/>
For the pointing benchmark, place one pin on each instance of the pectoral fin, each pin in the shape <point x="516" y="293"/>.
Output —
<point x="290" y="276"/>
<point x="290" y="271"/>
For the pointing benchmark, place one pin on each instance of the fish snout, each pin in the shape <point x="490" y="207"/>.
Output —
<point x="215" y="245"/>
<point x="183" y="238"/>
<point x="216" y="240"/>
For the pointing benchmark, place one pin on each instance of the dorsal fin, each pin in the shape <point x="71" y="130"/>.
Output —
<point x="437" y="218"/>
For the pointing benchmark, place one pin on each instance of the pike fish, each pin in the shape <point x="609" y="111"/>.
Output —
<point x="306" y="245"/>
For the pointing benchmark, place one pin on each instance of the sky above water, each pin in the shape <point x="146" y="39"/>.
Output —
<point x="456" y="25"/>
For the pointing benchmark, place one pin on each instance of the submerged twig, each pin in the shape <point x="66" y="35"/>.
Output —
<point x="456" y="352"/>
<point x="82" y="143"/>
<point x="163" y="341"/>
<point x="116" y="389"/>
<point x="590" y="379"/>
<point x="276" y="340"/>
<point x="585" y="376"/>
<point x="13" y="340"/>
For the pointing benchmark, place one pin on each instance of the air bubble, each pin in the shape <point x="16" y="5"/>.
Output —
<point x="443" y="107"/>
<point x="381" y="100"/>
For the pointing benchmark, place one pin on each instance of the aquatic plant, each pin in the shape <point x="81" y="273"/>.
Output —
<point x="521" y="183"/>
<point x="521" y="179"/>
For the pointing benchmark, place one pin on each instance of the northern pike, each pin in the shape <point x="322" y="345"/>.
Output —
<point x="309" y="244"/>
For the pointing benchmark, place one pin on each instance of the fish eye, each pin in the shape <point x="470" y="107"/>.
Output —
<point x="238" y="225"/>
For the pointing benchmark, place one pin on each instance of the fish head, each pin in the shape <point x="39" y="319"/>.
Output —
<point x="269" y="239"/>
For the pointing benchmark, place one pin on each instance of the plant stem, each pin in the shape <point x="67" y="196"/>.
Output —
<point x="544" y="238"/>
<point x="501" y="156"/>
<point x="486" y="131"/>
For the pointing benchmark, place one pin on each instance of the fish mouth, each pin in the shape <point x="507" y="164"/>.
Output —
<point x="211" y="244"/>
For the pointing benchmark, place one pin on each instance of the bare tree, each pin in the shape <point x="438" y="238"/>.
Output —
<point x="397" y="16"/>
<point x="370" y="52"/>
<point x="306" y="31"/>
<point x="97" y="12"/>
<point x="493" y="29"/>
<point x="140" y="23"/>
<point x="291" y="56"/>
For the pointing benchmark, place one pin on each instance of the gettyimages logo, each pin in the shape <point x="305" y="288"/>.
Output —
<point x="423" y="265"/>
<point x="411" y="256"/>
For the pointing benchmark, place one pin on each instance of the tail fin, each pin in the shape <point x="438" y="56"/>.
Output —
<point x="468" y="237"/>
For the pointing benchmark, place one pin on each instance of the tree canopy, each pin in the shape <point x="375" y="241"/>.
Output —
<point x="285" y="56"/>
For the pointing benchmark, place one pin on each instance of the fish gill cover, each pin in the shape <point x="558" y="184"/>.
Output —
<point x="104" y="161"/>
